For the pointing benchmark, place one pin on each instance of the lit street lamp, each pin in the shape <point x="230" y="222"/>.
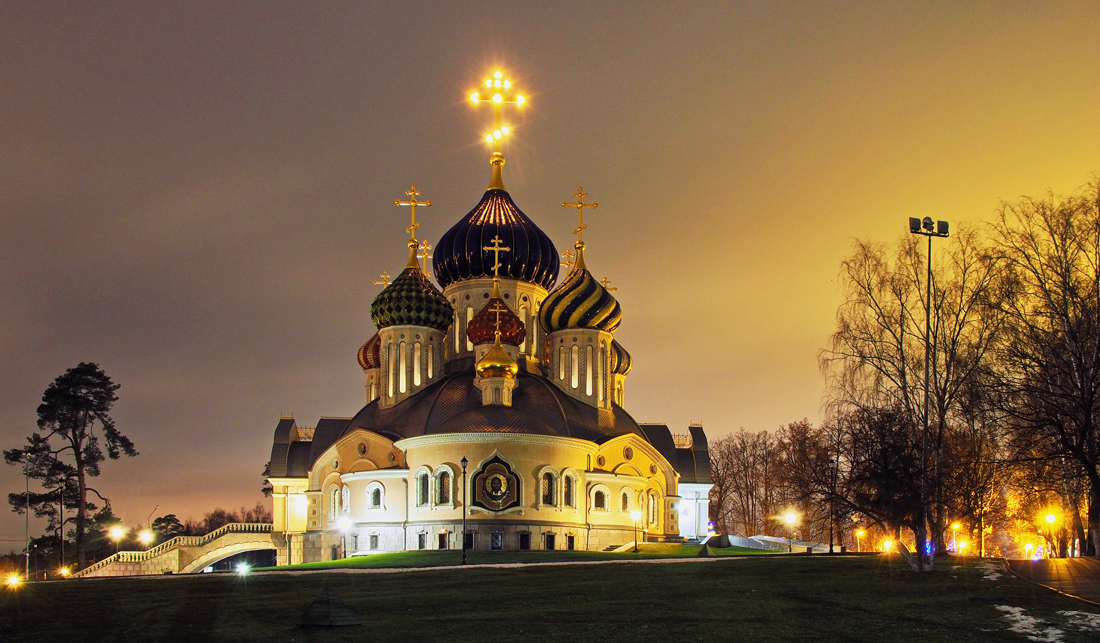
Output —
<point x="116" y="533"/>
<point x="925" y="227"/>
<point x="1051" y="519"/>
<point x="790" y="518"/>
<point x="955" y="536"/>
<point x="635" y="516"/>
<point x="464" y="463"/>
<point x="859" y="534"/>
<point x="343" y="523"/>
<point x="146" y="537"/>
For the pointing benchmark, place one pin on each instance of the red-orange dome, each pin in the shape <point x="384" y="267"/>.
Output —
<point x="482" y="328"/>
<point x="369" y="356"/>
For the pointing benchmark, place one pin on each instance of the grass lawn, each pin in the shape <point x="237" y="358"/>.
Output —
<point x="761" y="598"/>
<point x="430" y="558"/>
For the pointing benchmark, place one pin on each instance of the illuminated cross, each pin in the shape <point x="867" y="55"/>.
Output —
<point x="385" y="279"/>
<point x="606" y="283"/>
<point x="412" y="193"/>
<point x="569" y="257"/>
<point x="496" y="250"/>
<point x="498" y="91"/>
<point x="425" y="247"/>
<point x="580" y="205"/>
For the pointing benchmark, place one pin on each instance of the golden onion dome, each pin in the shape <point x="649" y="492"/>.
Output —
<point x="497" y="363"/>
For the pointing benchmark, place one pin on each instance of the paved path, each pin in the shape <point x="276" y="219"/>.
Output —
<point x="1078" y="577"/>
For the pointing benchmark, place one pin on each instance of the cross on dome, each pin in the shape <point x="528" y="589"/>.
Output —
<point x="412" y="193"/>
<point x="425" y="248"/>
<point x="497" y="309"/>
<point x="385" y="279"/>
<point x="580" y="205"/>
<point x="496" y="249"/>
<point x="570" y="258"/>
<point x="606" y="283"/>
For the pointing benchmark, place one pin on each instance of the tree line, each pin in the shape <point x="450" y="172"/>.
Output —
<point x="75" y="435"/>
<point x="1013" y="405"/>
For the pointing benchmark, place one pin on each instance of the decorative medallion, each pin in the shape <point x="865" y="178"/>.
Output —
<point x="496" y="486"/>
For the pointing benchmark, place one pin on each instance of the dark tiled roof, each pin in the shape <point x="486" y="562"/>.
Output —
<point x="693" y="464"/>
<point x="411" y="300"/>
<point x="537" y="407"/>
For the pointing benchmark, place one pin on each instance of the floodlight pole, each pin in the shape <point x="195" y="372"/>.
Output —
<point x="27" y="547"/>
<point x="925" y="227"/>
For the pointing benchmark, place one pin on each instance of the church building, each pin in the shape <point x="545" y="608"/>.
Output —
<point x="494" y="415"/>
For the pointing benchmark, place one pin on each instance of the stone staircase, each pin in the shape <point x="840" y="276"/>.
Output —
<point x="184" y="554"/>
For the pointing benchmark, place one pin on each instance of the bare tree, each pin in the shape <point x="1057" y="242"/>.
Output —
<point x="1049" y="361"/>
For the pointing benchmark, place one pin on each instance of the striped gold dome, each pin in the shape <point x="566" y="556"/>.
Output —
<point x="580" y="302"/>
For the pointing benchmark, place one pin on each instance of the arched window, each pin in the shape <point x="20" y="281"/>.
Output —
<point x="624" y="505"/>
<point x="523" y="318"/>
<point x="402" y="369"/>
<point x="548" y="489"/>
<point x="375" y="493"/>
<point x="333" y="502"/>
<point x="422" y="490"/>
<point x="456" y="331"/>
<point x="652" y="508"/>
<point x="575" y="366"/>
<point x="431" y="355"/>
<point x="496" y="395"/>
<point x="588" y="370"/>
<point x="599" y="501"/>
<point x="391" y="369"/>
<point x="443" y="493"/>
<point x="533" y="331"/>
<point x="345" y="500"/>
<point x="600" y="369"/>
<point x="561" y="362"/>
<point x="373" y="390"/>
<point x="416" y="364"/>
<point x="567" y="491"/>
<point x="469" y="318"/>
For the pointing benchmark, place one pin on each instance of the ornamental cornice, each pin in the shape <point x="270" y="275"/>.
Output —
<point x="375" y="474"/>
<point x="594" y="476"/>
<point x="496" y="438"/>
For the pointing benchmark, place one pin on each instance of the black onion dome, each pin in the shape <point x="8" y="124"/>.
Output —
<point x="411" y="300"/>
<point x="621" y="362"/>
<point x="460" y="253"/>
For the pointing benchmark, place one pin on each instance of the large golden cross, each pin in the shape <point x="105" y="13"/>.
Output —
<point x="385" y="279"/>
<point x="412" y="193"/>
<point x="606" y="283"/>
<point x="570" y="257"/>
<point x="498" y="91"/>
<point x="425" y="247"/>
<point x="496" y="249"/>
<point x="580" y="205"/>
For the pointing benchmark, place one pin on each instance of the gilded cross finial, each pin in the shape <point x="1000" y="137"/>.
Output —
<point x="425" y="248"/>
<point x="497" y="309"/>
<point x="580" y="195"/>
<point x="498" y="91"/>
<point x="606" y="283"/>
<point x="496" y="249"/>
<point x="570" y="259"/>
<point x="412" y="193"/>
<point x="385" y="279"/>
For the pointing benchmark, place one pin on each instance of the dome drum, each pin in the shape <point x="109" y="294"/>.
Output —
<point x="468" y="297"/>
<point x="579" y="365"/>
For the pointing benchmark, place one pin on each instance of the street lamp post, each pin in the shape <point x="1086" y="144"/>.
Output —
<point x="343" y="523"/>
<point x="790" y="519"/>
<point x="635" y="516"/>
<point x="859" y="534"/>
<point x="833" y="463"/>
<point x="464" y="463"/>
<point x="116" y="533"/>
<point x="955" y="536"/>
<point x="925" y="227"/>
<point x="1051" y="519"/>
<point x="27" y="480"/>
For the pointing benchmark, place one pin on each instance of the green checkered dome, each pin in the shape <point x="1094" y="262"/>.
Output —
<point x="411" y="300"/>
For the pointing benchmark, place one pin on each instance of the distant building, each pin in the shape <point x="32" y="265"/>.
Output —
<point x="516" y="373"/>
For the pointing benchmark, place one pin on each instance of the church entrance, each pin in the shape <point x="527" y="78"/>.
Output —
<point x="550" y="541"/>
<point x="525" y="541"/>
<point x="442" y="541"/>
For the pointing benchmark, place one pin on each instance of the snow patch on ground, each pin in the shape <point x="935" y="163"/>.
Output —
<point x="1085" y="621"/>
<point x="1034" y="629"/>
<point x="991" y="568"/>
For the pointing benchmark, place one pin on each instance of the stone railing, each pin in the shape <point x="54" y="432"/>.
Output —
<point x="175" y="543"/>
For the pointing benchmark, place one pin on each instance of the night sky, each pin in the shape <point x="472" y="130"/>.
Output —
<point x="197" y="196"/>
